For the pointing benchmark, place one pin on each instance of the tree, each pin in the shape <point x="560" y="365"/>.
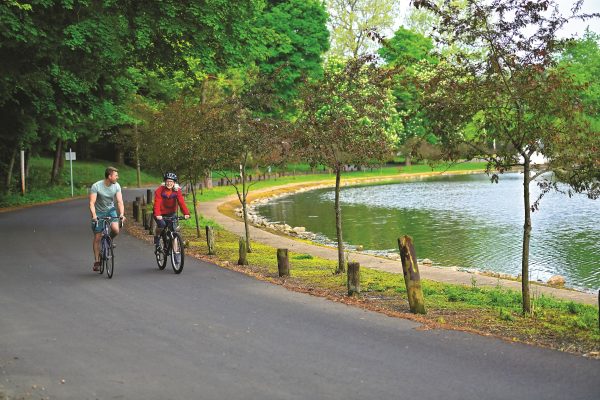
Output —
<point x="182" y="138"/>
<point x="294" y="50"/>
<point x="248" y="140"/>
<point x="408" y="53"/>
<point x="352" y="20"/>
<point x="511" y="93"/>
<point x="347" y="118"/>
<point x="66" y="65"/>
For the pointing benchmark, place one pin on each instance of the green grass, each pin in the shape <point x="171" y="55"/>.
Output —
<point x="85" y="173"/>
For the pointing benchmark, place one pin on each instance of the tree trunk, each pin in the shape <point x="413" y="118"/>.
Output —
<point x="195" y="203"/>
<point x="56" y="163"/>
<point x="338" y="223"/>
<point x="207" y="180"/>
<point x="283" y="262"/>
<point x="526" y="237"/>
<point x="245" y="209"/>
<point x="412" y="278"/>
<point x="408" y="160"/>
<point x="11" y="165"/>
<point x="138" y="168"/>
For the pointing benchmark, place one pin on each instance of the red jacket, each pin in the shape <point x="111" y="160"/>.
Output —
<point x="165" y="201"/>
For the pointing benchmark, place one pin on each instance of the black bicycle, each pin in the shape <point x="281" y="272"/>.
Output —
<point x="107" y="252"/>
<point x="171" y="246"/>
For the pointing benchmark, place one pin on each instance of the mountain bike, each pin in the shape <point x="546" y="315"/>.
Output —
<point x="107" y="252"/>
<point x="171" y="246"/>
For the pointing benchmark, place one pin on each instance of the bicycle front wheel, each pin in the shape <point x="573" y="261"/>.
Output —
<point x="177" y="253"/>
<point x="161" y="253"/>
<point x="109" y="260"/>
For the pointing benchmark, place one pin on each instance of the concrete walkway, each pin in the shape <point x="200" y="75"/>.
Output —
<point x="211" y="210"/>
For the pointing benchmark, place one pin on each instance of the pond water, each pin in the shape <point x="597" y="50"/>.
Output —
<point x="458" y="220"/>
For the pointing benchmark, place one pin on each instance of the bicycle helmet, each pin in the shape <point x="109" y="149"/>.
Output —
<point x="170" y="175"/>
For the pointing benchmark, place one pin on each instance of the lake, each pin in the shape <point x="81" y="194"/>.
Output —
<point x="458" y="220"/>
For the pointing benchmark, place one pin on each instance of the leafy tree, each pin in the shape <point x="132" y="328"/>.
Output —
<point x="294" y="51"/>
<point x="181" y="139"/>
<point x="248" y="140"/>
<point x="407" y="53"/>
<point x="352" y="20"/>
<point x="66" y="65"/>
<point x="347" y="118"/>
<point x="512" y="94"/>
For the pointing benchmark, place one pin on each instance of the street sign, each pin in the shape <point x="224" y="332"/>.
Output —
<point x="70" y="156"/>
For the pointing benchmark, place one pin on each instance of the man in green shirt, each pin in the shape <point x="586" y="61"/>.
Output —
<point x="102" y="204"/>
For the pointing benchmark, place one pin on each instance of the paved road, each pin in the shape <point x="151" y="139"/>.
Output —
<point x="211" y="333"/>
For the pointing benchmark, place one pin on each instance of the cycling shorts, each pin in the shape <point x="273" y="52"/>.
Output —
<point x="97" y="227"/>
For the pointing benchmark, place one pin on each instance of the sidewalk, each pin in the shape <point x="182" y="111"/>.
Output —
<point x="439" y="274"/>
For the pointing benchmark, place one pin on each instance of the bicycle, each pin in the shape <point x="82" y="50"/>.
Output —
<point x="107" y="256"/>
<point x="171" y="246"/>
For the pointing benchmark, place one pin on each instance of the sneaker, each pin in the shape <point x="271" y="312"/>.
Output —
<point x="156" y="241"/>
<point x="97" y="266"/>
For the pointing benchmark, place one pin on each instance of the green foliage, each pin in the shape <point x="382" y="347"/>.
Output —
<point x="298" y="38"/>
<point x="353" y="20"/>
<point x="347" y="117"/>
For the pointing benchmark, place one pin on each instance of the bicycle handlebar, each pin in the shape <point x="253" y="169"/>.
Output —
<point x="178" y="218"/>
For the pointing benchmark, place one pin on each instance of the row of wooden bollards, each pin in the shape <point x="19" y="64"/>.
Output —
<point x="410" y="269"/>
<point x="142" y="212"/>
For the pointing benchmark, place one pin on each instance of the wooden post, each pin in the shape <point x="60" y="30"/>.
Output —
<point x="412" y="279"/>
<point x="210" y="240"/>
<point x="243" y="260"/>
<point x="353" y="279"/>
<point x="283" y="262"/>
<point x="151" y="225"/>
<point x="144" y="216"/>
<point x="135" y="207"/>
<point x="149" y="196"/>
<point x="139" y="217"/>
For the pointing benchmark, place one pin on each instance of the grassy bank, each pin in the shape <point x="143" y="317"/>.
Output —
<point x="85" y="173"/>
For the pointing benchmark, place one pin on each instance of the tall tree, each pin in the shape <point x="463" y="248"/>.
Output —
<point x="294" y="49"/>
<point x="352" y="20"/>
<point x="347" y="118"/>
<point x="408" y="53"/>
<point x="511" y="93"/>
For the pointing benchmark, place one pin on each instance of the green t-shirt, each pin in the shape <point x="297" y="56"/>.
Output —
<point x="105" y="200"/>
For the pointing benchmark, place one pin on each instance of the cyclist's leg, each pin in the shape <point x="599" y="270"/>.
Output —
<point x="97" y="230"/>
<point x="160" y="225"/>
<point x="114" y="226"/>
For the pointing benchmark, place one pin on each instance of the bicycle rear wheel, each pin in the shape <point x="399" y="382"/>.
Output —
<point x="161" y="254"/>
<point x="177" y="253"/>
<point x="109" y="258"/>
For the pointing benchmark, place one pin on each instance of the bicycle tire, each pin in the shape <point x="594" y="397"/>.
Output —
<point x="103" y="245"/>
<point x="177" y="243"/>
<point x="110" y="261"/>
<point x="161" y="256"/>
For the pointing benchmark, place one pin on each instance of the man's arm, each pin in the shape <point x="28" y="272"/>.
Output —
<point x="120" y="206"/>
<point x="93" y="204"/>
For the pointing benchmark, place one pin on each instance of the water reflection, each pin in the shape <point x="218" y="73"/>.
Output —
<point x="459" y="220"/>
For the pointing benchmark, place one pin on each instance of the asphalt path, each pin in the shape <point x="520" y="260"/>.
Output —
<point x="211" y="333"/>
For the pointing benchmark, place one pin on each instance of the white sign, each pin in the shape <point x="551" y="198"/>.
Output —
<point x="70" y="156"/>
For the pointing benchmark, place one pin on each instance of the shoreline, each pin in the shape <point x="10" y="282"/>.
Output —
<point x="223" y="211"/>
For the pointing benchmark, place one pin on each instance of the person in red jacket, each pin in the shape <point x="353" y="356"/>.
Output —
<point x="166" y="198"/>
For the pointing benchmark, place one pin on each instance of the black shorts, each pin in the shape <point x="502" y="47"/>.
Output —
<point x="161" y="223"/>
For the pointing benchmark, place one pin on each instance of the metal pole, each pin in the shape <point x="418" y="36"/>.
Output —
<point x="71" y="162"/>
<point x="22" y="172"/>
